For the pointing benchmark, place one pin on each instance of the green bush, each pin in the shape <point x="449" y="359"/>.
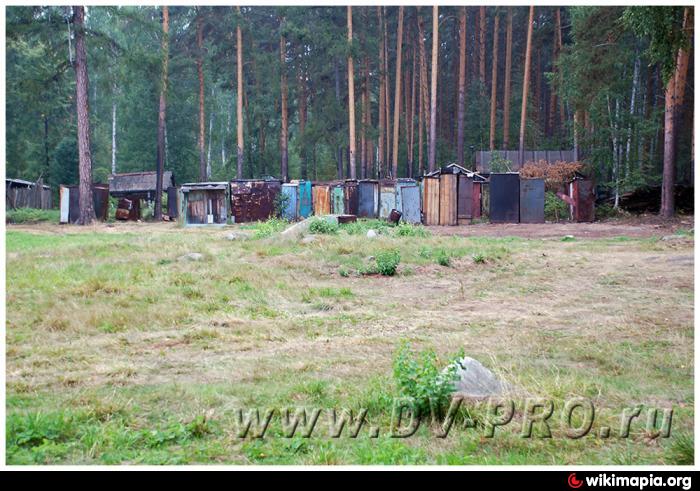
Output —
<point x="408" y="230"/>
<point x="388" y="261"/>
<point x="281" y="203"/>
<point x="32" y="215"/>
<point x="443" y="259"/>
<point x="322" y="226"/>
<point x="420" y="377"/>
<point x="269" y="227"/>
<point x="479" y="258"/>
<point x="555" y="208"/>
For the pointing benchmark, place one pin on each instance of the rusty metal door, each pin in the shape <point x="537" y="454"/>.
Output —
<point x="504" y="198"/>
<point x="338" y="200"/>
<point x="387" y="199"/>
<point x="369" y="199"/>
<point x="352" y="198"/>
<point x="584" y="200"/>
<point x="290" y="193"/>
<point x="532" y="200"/>
<point x="305" y="200"/>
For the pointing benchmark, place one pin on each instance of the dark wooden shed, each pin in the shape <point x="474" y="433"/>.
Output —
<point x="204" y="203"/>
<point x="254" y="199"/>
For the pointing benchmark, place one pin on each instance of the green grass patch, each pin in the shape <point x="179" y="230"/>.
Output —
<point x="32" y="215"/>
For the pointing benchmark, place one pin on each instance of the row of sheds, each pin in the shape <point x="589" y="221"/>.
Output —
<point x="452" y="195"/>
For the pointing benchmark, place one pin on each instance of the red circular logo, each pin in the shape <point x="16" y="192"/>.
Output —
<point x="573" y="482"/>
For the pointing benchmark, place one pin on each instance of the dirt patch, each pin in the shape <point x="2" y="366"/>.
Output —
<point x="637" y="227"/>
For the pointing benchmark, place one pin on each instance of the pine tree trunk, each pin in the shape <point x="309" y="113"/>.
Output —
<point x="367" y="120"/>
<point x="200" y="76"/>
<point x="462" y="83"/>
<point x="633" y="99"/>
<point x="412" y="114"/>
<point x="351" y="103"/>
<point x="397" y="97"/>
<point x="433" y="93"/>
<point x="284" y="170"/>
<point x="494" y="84"/>
<point x="302" y="121"/>
<point x="482" y="45"/>
<point x="387" y="87"/>
<point x="114" y="137"/>
<point x="423" y="104"/>
<point x="526" y="84"/>
<point x="555" y="57"/>
<point x="382" y="96"/>
<point x="162" y="105"/>
<point x="85" y="203"/>
<point x="239" y="97"/>
<point x="338" y="150"/>
<point x="507" y="83"/>
<point x="675" y="94"/>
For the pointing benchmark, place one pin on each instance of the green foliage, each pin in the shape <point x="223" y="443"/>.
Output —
<point x="323" y="226"/>
<point x="388" y="261"/>
<point x="32" y="215"/>
<point x="499" y="164"/>
<point x="269" y="227"/>
<point x="424" y="378"/>
<point x="281" y="203"/>
<point x="443" y="259"/>
<point x="682" y="451"/>
<point x="409" y="230"/>
<point x="555" y="208"/>
<point x="479" y="258"/>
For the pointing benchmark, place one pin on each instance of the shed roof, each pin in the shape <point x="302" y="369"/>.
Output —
<point x="138" y="182"/>
<point x="22" y="182"/>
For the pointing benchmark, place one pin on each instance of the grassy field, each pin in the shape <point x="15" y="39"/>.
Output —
<point x="118" y="351"/>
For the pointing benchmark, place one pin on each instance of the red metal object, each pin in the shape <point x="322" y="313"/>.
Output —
<point x="253" y="200"/>
<point x="476" y="200"/>
<point x="582" y="193"/>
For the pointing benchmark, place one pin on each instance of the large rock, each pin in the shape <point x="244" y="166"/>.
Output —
<point x="476" y="381"/>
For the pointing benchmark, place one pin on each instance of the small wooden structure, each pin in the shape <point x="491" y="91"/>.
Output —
<point x="452" y="196"/>
<point x="69" y="199"/>
<point x="132" y="187"/>
<point x="26" y="194"/>
<point x="204" y="203"/>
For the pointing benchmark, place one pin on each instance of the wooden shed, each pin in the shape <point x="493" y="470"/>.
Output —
<point x="204" y="203"/>
<point x="26" y="194"/>
<point x="452" y="196"/>
<point x="132" y="187"/>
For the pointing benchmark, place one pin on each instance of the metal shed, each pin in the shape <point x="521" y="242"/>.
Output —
<point x="69" y="199"/>
<point x="352" y="197"/>
<point x="387" y="198"/>
<point x="305" y="199"/>
<point x="338" y="199"/>
<point x="409" y="196"/>
<point x="505" y="197"/>
<point x="582" y="193"/>
<point x="368" y="203"/>
<point x="253" y="199"/>
<point x="204" y="203"/>
<point x="321" y="199"/>
<point x="290" y="191"/>
<point x="532" y="200"/>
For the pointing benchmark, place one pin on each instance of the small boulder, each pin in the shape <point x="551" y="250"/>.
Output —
<point x="308" y="239"/>
<point x="371" y="234"/>
<point x="191" y="256"/>
<point x="476" y="381"/>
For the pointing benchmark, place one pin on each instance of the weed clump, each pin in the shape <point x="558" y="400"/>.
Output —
<point x="388" y="262"/>
<point x="321" y="226"/>
<point x="419" y="376"/>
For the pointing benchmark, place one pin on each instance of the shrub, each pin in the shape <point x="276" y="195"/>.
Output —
<point x="322" y="226"/>
<point x="555" y="208"/>
<point x="281" y="202"/>
<point x="479" y="258"/>
<point x="388" y="261"/>
<point x="269" y="227"/>
<point x="408" y="230"/>
<point x="420" y="377"/>
<point x="443" y="259"/>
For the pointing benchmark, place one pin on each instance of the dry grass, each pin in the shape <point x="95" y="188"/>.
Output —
<point x="110" y="318"/>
